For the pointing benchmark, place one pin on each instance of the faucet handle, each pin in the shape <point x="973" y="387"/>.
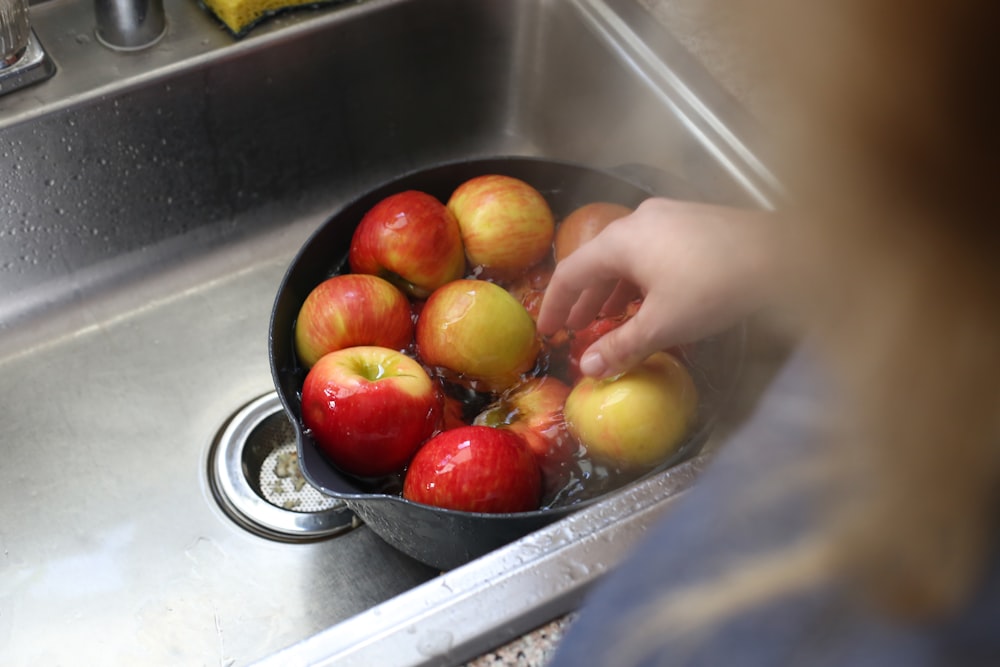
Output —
<point x="129" y="25"/>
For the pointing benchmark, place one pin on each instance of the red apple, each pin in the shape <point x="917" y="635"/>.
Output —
<point x="475" y="469"/>
<point x="582" y="339"/>
<point x="452" y="412"/>
<point x="352" y="310"/>
<point x="533" y="410"/>
<point x="584" y="224"/>
<point x="529" y="287"/>
<point x="410" y="239"/>
<point x="506" y="224"/>
<point x="477" y="335"/>
<point x="369" y="408"/>
<point x="637" y="419"/>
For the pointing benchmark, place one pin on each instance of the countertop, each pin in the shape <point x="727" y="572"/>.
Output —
<point x="707" y="40"/>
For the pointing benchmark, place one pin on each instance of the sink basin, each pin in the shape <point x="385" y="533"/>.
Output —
<point x="153" y="201"/>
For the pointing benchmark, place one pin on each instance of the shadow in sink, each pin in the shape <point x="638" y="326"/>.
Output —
<point x="152" y="204"/>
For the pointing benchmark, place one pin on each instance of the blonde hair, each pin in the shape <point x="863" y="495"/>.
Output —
<point x="895" y="245"/>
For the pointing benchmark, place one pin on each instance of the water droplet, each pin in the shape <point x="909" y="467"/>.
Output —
<point x="576" y="570"/>
<point x="435" y="642"/>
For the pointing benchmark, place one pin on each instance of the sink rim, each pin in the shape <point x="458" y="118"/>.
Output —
<point x="614" y="20"/>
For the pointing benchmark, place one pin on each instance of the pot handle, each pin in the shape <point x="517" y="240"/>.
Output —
<point x="658" y="181"/>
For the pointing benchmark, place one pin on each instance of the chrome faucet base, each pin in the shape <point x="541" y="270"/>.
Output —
<point x="129" y="25"/>
<point x="32" y="67"/>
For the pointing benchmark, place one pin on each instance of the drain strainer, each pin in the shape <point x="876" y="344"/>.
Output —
<point x="255" y="476"/>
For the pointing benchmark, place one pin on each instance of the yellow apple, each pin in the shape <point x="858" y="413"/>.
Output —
<point x="637" y="419"/>
<point x="477" y="332"/>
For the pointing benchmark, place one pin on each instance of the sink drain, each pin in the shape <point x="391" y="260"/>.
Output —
<point x="255" y="477"/>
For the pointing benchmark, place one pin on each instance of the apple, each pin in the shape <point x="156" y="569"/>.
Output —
<point x="583" y="338"/>
<point x="506" y="224"/>
<point x="475" y="469"/>
<point x="410" y="239"/>
<point x="584" y="224"/>
<point x="636" y="419"/>
<point x="529" y="287"/>
<point x="476" y="334"/>
<point x="452" y="412"/>
<point x="369" y="408"/>
<point x="533" y="410"/>
<point x="351" y="310"/>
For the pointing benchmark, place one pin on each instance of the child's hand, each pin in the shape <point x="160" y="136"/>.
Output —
<point x="700" y="269"/>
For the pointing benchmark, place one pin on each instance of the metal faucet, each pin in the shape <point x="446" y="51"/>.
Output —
<point x="22" y="59"/>
<point x="15" y="29"/>
<point x="129" y="25"/>
<point x="123" y="25"/>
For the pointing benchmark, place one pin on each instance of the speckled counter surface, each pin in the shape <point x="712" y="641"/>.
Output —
<point x="688" y="22"/>
<point x="534" y="649"/>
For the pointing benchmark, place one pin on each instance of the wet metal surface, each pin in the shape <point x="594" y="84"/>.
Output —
<point x="151" y="205"/>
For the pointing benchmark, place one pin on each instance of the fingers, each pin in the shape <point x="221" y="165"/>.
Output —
<point x="573" y="278"/>
<point x="624" y="293"/>
<point x="582" y="283"/>
<point x="589" y="304"/>
<point x="621" y="349"/>
<point x="560" y="296"/>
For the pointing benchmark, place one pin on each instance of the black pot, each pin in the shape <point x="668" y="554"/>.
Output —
<point x="446" y="538"/>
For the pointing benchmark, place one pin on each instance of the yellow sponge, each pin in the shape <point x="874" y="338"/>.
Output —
<point x="241" y="15"/>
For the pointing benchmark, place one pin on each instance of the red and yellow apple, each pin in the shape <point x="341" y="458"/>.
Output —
<point x="351" y="310"/>
<point x="582" y="339"/>
<point x="584" y="224"/>
<point x="475" y="469"/>
<point x="637" y="419"/>
<point x="477" y="335"/>
<point x="529" y="287"/>
<point x="410" y="239"/>
<point x="369" y="408"/>
<point x="533" y="410"/>
<point x="506" y="224"/>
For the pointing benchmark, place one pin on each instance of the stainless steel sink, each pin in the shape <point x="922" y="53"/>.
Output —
<point x="150" y="204"/>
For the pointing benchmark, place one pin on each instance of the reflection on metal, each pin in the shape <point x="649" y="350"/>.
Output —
<point x="129" y="25"/>
<point x="467" y="611"/>
<point x="255" y="477"/>
<point x="31" y="66"/>
<point x="151" y="203"/>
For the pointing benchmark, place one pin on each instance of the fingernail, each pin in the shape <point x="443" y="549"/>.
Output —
<point x="592" y="364"/>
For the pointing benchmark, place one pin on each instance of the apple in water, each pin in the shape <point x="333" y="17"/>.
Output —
<point x="351" y="310"/>
<point x="637" y="419"/>
<point x="506" y="224"/>
<point x="410" y="239"/>
<point x="534" y="410"/>
<point x="369" y="408"/>
<point x="584" y="224"/>
<point x="478" y="334"/>
<point x="529" y="287"/>
<point x="452" y="411"/>
<point x="583" y="338"/>
<point x="475" y="469"/>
